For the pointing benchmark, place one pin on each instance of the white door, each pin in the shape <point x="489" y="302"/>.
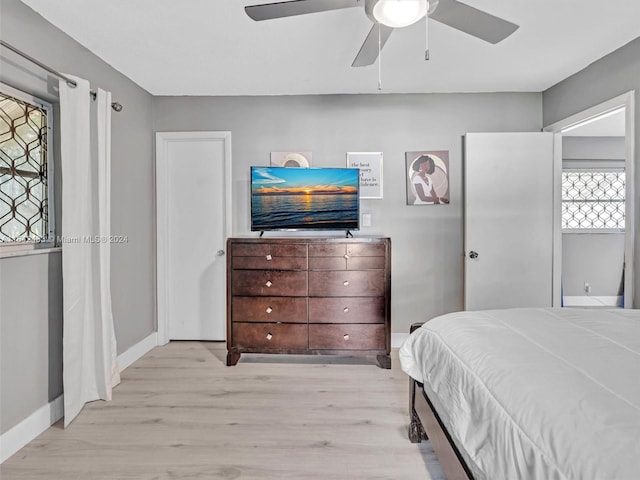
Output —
<point x="509" y="220"/>
<point x="193" y="221"/>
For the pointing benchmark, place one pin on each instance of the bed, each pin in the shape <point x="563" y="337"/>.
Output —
<point x="535" y="394"/>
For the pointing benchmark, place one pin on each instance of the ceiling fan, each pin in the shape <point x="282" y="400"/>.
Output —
<point x="389" y="14"/>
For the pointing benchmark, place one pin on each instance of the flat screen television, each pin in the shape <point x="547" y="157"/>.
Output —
<point x="285" y="198"/>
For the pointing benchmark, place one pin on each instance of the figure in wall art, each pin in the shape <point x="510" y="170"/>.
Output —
<point x="427" y="177"/>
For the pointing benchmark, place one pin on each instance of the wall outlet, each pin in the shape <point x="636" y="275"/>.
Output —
<point x="366" y="219"/>
<point x="587" y="287"/>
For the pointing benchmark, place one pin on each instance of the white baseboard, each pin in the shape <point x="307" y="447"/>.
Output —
<point x="17" y="437"/>
<point x="27" y="430"/>
<point x="397" y="339"/>
<point x="592" y="301"/>
<point x="137" y="351"/>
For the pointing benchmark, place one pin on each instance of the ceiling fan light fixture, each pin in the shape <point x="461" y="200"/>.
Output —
<point x="399" y="13"/>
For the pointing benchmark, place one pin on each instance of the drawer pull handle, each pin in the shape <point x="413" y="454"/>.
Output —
<point x="269" y="257"/>
<point x="346" y="283"/>
<point x="268" y="284"/>
<point x="346" y="257"/>
<point x="269" y="310"/>
<point x="345" y="309"/>
<point x="269" y="336"/>
<point x="346" y="336"/>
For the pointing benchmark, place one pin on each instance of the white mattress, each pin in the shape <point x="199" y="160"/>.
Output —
<point x="538" y="394"/>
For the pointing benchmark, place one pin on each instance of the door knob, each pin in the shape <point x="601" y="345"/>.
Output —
<point x="473" y="254"/>
<point x="220" y="253"/>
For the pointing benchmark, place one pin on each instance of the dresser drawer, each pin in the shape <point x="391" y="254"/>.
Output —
<point x="270" y="336"/>
<point x="269" y="283"/>
<point x="269" y="262"/>
<point x="346" y="310"/>
<point x="264" y="249"/>
<point x="346" y="263"/>
<point x="350" y="249"/>
<point x="269" y="309"/>
<point x="347" y="337"/>
<point x="347" y="283"/>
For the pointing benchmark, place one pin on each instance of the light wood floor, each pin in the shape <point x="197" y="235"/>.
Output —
<point x="179" y="413"/>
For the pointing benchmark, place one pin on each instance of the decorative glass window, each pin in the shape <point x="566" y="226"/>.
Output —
<point x="24" y="168"/>
<point x="593" y="199"/>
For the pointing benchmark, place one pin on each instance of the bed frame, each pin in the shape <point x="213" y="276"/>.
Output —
<point x="426" y="425"/>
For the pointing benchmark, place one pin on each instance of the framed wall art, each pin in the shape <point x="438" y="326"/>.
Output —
<point x="291" y="159"/>
<point x="427" y="175"/>
<point x="370" y="165"/>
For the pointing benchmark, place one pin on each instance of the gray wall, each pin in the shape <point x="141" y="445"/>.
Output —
<point x="594" y="148"/>
<point x="596" y="259"/>
<point x="31" y="335"/>
<point x="31" y="328"/>
<point x="609" y="77"/>
<point x="427" y="262"/>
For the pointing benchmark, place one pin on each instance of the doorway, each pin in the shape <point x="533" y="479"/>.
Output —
<point x="593" y="206"/>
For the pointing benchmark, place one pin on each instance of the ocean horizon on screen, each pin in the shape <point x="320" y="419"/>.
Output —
<point x="301" y="198"/>
<point x="305" y="211"/>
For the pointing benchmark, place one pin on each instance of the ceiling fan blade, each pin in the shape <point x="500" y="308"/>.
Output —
<point x="368" y="53"/>
<point x="270" y="11"/>
<point x="472" y="21"/>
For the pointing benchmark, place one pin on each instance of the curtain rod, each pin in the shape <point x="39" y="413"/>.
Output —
<point x="72" y="83"/>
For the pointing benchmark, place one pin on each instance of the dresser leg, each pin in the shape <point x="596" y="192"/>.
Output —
<point x="384" y="361"/>
<point x="232" y="358"/>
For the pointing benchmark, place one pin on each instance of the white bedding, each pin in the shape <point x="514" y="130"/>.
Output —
<point x="538" y="394"/>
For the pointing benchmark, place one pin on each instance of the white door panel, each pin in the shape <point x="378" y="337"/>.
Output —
<point x="192" y="212"/>
<point x="508" y="220"/>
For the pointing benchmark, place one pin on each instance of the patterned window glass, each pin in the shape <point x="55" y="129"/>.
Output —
<point x="23" y="171"/>
<point x="593" y="199"/>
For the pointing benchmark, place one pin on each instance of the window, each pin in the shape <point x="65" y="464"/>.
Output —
<point x="593" y="199"/>
<point x="25" y="173"/>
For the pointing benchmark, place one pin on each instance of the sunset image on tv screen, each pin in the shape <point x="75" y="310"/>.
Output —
<point x="304" y="198"/>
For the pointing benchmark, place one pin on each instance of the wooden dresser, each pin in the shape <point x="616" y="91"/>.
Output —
<point x="309" y="296"/>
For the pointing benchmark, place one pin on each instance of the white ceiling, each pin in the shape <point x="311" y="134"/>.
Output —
<point x="211" y="47"/>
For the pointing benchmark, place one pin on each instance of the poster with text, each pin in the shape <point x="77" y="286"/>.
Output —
<point x="370" y="165"/>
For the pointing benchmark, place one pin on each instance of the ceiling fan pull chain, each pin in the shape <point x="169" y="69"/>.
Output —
<point x="426" y="37"/>
<point x="379" y="58"/>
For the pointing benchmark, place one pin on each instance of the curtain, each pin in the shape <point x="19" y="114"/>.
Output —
<point x="89" y="357"/>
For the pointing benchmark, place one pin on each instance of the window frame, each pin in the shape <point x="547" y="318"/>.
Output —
<point x="8" y="249"/>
